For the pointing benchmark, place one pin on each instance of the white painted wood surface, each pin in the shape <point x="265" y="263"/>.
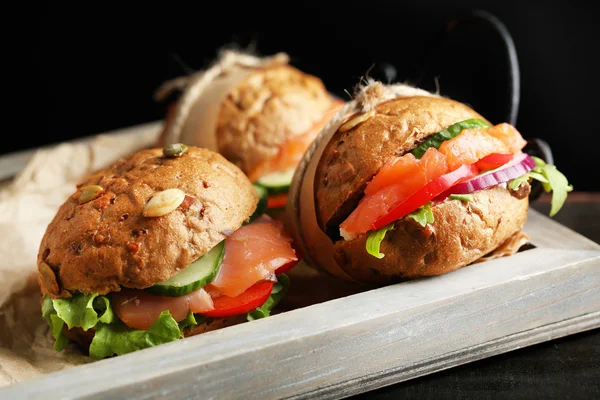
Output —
<point x="367" y="340"/>
<point x="362" y="341"/>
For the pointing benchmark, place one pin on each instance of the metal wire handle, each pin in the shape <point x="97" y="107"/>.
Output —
<point x="508" y="48"/>
<point x="535" y="146"/>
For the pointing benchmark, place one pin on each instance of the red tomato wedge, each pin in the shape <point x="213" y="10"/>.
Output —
<point x="431" y="190"/>
<point x="277" y="201"/>
<point x="285" y="268"/>
<point x="255" y="296"/>
<point x="252" y="254"/>
<point x="474" y="144"/>
<point x="396" y="181"/>
<point x="139" y="310"/>
<point x="494" y="161"/>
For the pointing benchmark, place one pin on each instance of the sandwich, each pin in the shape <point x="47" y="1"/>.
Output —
<point x="404" y="184"/>
<point x="258" y="112"/>
<point x="163" y="244"/>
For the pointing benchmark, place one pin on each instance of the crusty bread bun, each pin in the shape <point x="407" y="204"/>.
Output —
<point x="386" y="121"/>
<point x="247" y="108"/>
<point x="353" y="156"/>
<point x="461" y="233"/>
<point x="105" y="236"/>
<point x="267" y="109"/>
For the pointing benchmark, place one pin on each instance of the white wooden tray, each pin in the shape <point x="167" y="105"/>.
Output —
<point x="366" y="340"/>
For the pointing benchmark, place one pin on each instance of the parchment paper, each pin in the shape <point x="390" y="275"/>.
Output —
<point x="27" y="205"/>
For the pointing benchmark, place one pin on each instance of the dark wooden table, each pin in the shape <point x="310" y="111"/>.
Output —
<point x="565" y="368"/>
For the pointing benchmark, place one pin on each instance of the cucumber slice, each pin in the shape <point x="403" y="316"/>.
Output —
<point x="278" y="182"/>
<point x="261" y="207"/>
<point x="196" y="275"/>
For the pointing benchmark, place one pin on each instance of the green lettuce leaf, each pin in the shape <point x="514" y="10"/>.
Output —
<point x="119" y="339"/>
<point x="451" y="132"/>
<point x="113" y="337"/>
<point x="277" y="293"/>
<point x="374" y="240"/>
<point x="56" y="324"/>
<point x="423" y="215"/>
<point x="191" y="321"/>
<point x="84" y="310"/>
<point x="461" y="197"/>
<point x="552" y="180"/>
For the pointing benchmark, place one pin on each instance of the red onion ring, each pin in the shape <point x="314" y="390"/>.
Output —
<point x="519" y="165"/>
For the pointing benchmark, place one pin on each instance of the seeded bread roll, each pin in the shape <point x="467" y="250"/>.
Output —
<point x="126" y="225"/>
<point x="249" y="109"/>
<point x="354" y="155"/>
<point x="382" y="122"/>
<point x="461" y="233"/>
<point x="268" y="108"/>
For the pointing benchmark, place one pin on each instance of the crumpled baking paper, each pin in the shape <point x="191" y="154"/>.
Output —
<point x="27" y="205"/>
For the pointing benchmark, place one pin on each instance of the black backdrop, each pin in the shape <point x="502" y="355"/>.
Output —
<point x="93" y="67"/>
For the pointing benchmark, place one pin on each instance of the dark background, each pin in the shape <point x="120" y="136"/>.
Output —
<point x="82" y="69"/>
<point x="91" y="67"/>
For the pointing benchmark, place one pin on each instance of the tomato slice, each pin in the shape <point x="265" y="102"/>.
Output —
<point x="286" y="267"/>
<point x="277" y="201"/>
<point x="494" y="161"/>
<point x="291" y="264"/>
<point x="395" y="182"/>
<point x="428" y="192"/>
<point x="255" y="296"/>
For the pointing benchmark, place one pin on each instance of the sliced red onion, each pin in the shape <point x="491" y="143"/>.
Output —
<point x="518" y="166"/>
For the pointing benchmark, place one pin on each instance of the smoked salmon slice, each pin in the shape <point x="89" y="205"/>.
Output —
<point x="139" y="309"/>
<point x="410" y="171"/>
<point x="474" y="144"/>
<point x="252" y="254"/>
<point x="292" y="151"/>
<point x="395" y="182"/>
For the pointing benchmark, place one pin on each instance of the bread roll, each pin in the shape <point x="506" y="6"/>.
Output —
<point x="384" y="121"/>
<point x="107" y="242"/>
<point x="248" y="109"/>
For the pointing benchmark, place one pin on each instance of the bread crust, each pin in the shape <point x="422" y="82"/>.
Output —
<point x="268" y="108"/>
<point x="106" y="243"/>
<point x="461" y="233"/>
<point x="352" y="157"/>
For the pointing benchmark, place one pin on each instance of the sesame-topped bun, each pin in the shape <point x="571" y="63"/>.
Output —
<point x="141" y="220"/>
<point x="332" y="216"/>
<point x="259" y="112"/>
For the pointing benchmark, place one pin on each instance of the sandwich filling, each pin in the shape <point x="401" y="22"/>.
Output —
<point x="243" y="275"/>
<point x="275" y="174"/>
<point x="448" y="166"/>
